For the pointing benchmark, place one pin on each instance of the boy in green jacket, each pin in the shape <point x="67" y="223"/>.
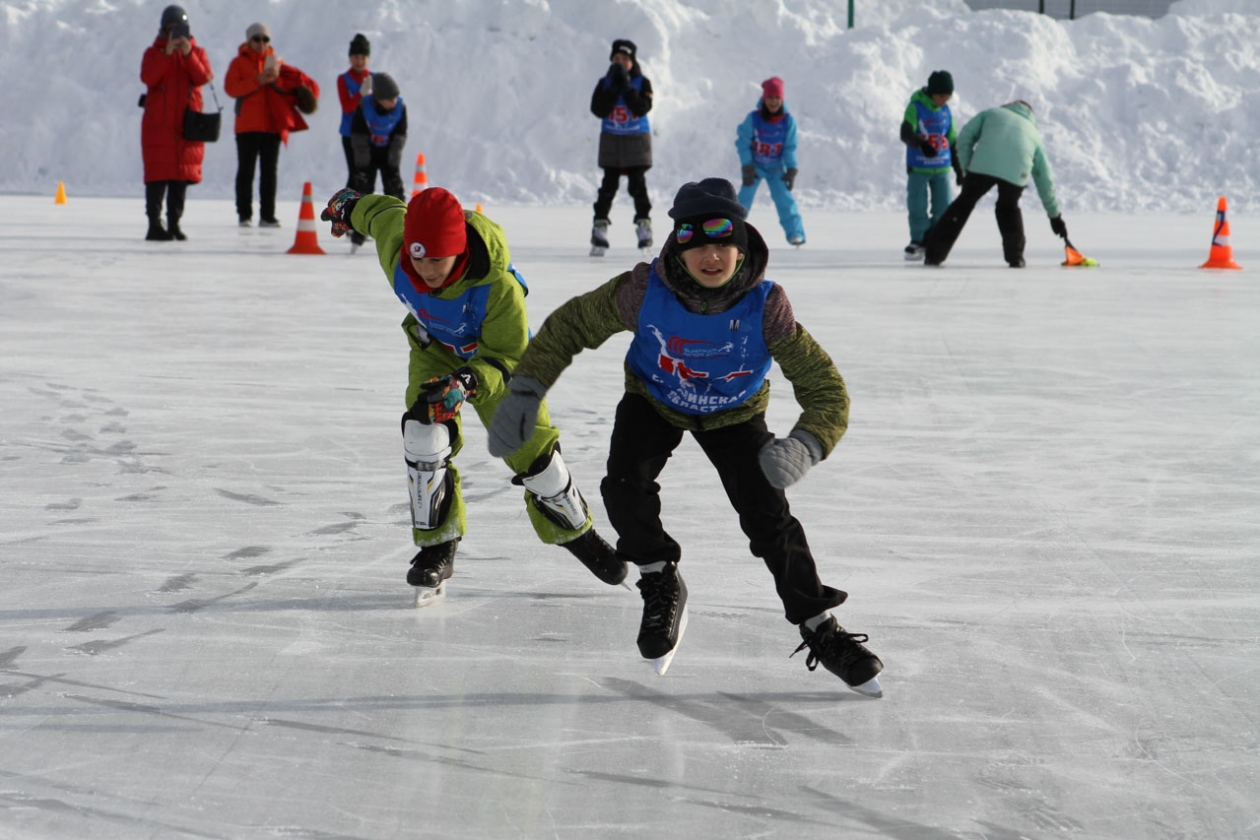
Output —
<point x="706" y="325"/>
<point x="929" y="135"/>
<point x="467" y="330"/>
<point x="999" y="147"/>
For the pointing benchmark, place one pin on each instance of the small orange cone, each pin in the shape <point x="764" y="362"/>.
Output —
<point x="1075" y="257"/>
<point x="478" y="206"/>
<point x="1222" y="253"/>
<point x="306" y="241"/>
<point x="422" y="178"/>
<point x="61" y="193"/>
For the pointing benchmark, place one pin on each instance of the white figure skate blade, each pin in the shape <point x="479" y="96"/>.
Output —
<point x="427" y="596"/>
<point x="871" y="688"/>
<point x="597" y="251"/>
<point x="661" y="663"/>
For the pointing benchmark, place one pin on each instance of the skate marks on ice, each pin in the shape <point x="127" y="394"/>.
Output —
<point x="744" y="720"/>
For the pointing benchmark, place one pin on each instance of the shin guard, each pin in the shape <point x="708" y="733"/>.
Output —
<point x="552" y="487"/>
<point x="427" y="448"/>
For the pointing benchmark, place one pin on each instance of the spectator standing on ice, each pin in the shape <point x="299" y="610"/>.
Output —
<point x="352" y="86"/>
<point x="271" y="97"/>
<point x="766" y="142"/>
<point x="929" y="135"/>
<point x="173" y="70"/>
<point x="999" y="147"/>
<point x="622" y="99"/>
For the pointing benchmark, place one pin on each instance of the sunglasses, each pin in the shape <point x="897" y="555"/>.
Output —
<point x="713" y="229"/>
<point x="261" y="38"/>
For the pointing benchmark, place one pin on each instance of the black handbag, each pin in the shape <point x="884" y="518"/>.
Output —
<point x="203" y="128"/>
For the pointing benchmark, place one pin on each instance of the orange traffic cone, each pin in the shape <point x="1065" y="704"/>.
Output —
<point x="1222" y="253"/>
<point x="61" y="193"/>
<point x="306" y="241"/>
<point x="478" y="206"/>
<point x="422" y="178"/>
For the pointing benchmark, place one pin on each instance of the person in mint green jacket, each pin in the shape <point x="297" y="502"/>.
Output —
<point x="928" y="132"/>
<point x="999" y="147"/>
<point x="467" y="329"/>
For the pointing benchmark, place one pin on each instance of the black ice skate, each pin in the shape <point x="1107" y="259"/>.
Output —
<point x="841" y="653"/>
<point x="599" y="238"/>
<point x="664" y="615"/>
<point x="600" y="557"/>
<point x="430" y="569"/>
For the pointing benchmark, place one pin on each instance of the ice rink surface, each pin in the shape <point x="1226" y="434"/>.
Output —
<point x="1046" y="512"/>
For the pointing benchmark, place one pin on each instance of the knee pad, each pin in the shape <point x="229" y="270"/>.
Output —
<point x="427" y="449"/>
<point x="552" y="488"/>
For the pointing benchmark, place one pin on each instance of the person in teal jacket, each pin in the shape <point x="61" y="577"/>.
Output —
<point x="999" y="147"/>
<point x="467" y="329"/>
<point x="929" y="135"/>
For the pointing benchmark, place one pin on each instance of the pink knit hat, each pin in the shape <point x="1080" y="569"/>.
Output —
<point x="772" y="88"/>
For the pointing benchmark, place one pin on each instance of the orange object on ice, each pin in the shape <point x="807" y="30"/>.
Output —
<point x="1222" y="253"/>
<point x="306" y="241"/>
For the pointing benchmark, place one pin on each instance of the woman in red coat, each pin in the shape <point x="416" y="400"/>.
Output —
<point x="173" y="69"/>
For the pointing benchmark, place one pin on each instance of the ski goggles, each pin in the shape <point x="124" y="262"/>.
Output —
<point x="712" y="229"/>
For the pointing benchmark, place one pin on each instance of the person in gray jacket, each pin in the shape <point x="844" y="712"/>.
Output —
<point x="999" y="147"/>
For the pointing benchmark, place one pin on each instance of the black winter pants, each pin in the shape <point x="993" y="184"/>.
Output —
<point x="642" y="441"/>
<point x="941" y="238"/>
<point x="636" y="185"/>
<point x="172" y="191"/>
<point x="264" y="149"/>
<point x="364" y="179"/>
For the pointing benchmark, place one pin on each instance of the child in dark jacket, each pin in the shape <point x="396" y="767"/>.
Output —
<point x="378" y="133"/>
<point x="706" y="326"/>
<point x="467" y="328"/>
<point x="352" y="86"/>
<point x="622" y="99"/>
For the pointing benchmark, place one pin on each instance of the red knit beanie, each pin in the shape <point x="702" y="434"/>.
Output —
<point x="772" y="88"/>
<point x="434" y="226"/>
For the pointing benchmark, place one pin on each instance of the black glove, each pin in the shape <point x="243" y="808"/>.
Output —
<point x="338" y="211"/>
<point x="959" y="178"/>
<point x="618" y="76"/>
<point x="927" y="148"/>
<point x="1059" y="228"/>
<point x="789" y="179"/>
<point x="445" y="395"/>
<point x="749" y="173"/>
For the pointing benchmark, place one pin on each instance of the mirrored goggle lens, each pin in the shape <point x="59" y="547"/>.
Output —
<point x="713" y="229"/>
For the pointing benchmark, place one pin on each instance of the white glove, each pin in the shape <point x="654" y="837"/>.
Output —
<point x="786" y="460"/>
<point x="365" y="88"/>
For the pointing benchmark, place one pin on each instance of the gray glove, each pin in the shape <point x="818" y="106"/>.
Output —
<point x="749" y="174"/>
<point x="786" y="460"/>
<point x="789" y="179"/>
<point x="514" y="419"/>
<point x="365" y="87"/>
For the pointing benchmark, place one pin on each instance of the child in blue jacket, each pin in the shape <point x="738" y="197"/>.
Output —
<point x="766" y="142"/>
<point x="929" y="135"/>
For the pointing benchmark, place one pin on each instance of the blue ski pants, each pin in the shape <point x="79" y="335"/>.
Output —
<point x="789" y="216"/>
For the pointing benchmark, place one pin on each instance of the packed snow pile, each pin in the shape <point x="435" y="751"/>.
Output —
<point x="1138" y="114"/>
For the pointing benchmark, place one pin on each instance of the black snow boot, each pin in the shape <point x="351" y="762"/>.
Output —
<point x="157" y="233"/>
<point x="841" y="653"/>
<point x="433" y="565"/>
<point x="598" y="556"/>
<point x="664" y="607"/>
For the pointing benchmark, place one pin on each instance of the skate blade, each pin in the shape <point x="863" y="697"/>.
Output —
<point x="914" y="257"/>
<point x="427" y="596"/>
<point x="870" y="688"/>
<point x="597" y="251"/>
<point x="661" y="663"/>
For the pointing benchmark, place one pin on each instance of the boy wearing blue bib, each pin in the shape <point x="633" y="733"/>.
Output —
<point x="705" y="326"/>
<point x="467" y="328"/>
<point x="622" y="99"/>
<point x="929" y="135"/>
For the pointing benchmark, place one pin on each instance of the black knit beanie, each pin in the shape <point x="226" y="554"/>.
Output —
<point x="384" y="87"/>
<point x="940" y="82"/>
<point x="621" y="45"/>
<point x="360" y="45"/>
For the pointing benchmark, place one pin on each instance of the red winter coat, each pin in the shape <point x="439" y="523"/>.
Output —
<point x="271" y="108"/>
<point x="174" y="83"/>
